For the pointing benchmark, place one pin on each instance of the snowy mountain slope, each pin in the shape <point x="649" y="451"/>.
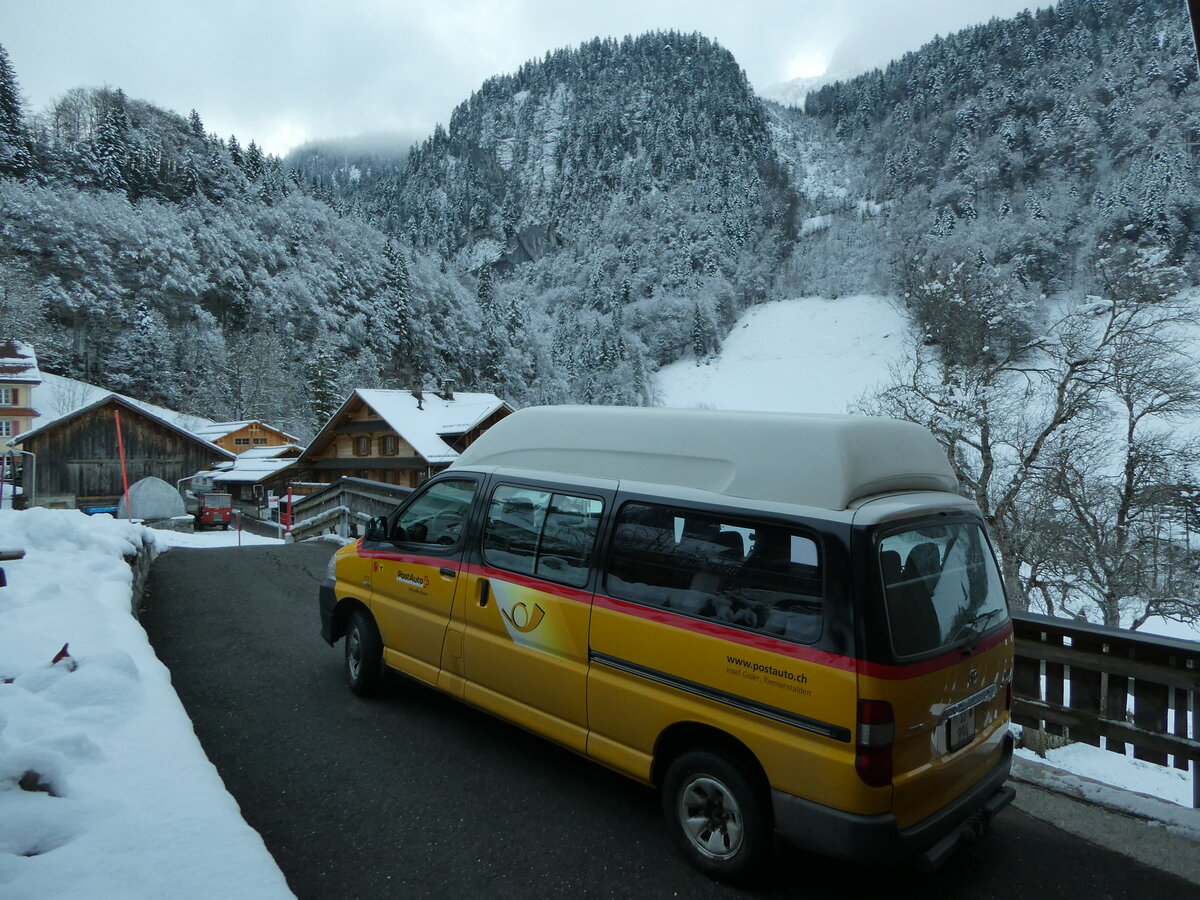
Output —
<point x="805" y="355"/>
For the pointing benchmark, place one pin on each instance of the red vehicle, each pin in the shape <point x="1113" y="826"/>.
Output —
<point x="214" y="510"/>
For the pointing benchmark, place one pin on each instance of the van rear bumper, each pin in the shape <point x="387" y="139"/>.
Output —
<point x="876" y="839"/>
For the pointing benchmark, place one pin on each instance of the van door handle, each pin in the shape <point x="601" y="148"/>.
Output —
<point x="449" y="573"/>
<point x="483" y="592"/>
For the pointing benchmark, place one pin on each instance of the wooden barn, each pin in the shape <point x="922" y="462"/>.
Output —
<point x="78" y="463"/>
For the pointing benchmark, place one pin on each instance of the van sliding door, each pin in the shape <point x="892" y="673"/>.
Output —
<point x="528" y="609"/>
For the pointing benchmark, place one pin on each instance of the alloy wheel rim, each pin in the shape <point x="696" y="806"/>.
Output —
<point x="354" y="653"/>
<point x="711" y="817"/>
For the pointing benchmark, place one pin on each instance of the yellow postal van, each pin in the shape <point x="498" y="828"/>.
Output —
<point x="785" y="623"/>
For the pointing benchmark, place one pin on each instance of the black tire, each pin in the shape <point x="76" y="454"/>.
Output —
<point x="364" y="654"/>
<point x="717" y="818"/>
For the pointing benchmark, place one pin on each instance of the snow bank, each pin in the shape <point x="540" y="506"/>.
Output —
<point x="165" y="540"/>
<point x="1122" y="771"/>
<point x="1136" y="790"/>
<point x="104" y="788"/>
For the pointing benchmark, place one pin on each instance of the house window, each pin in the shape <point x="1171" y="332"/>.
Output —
<point x="362" y="445"/>
<point x="10" y="396"/>
<point x="8" y="428"/>
<point x="390" y="443"/>
<point x="260" y="440"/>
<point x="241" y="442"/>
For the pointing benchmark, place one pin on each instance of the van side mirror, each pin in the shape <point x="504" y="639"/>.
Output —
<point x="376" y="529"/>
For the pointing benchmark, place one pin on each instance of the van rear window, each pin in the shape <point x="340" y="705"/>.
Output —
<point x="941" y="585"/>
<point x="753" y="575"/>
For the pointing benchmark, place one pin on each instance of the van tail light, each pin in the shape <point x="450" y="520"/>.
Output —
<point x="876" y="736"/>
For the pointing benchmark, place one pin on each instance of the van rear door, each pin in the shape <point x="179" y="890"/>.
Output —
<point x="948" y="661"/>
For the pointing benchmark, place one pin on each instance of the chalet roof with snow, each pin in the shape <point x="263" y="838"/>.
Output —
<point x="428" y="421"/>
<point x="248" y="471"/>
<point x="134" y="406"/>
<point x="275" y="452"/>
<point x="18" y="363"/>
<point x="66" y="396"/>
<point x="214" y="431"/>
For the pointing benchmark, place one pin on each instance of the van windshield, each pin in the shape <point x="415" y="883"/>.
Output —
<point x="942" y="587"/>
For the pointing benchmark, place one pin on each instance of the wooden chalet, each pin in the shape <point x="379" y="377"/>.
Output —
<point x="398" y="437"/>
<point x="238" y="437"/>
<point x="78" y="464"/>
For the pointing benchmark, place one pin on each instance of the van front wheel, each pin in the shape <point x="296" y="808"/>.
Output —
<point x="716" y="817"/>
<point x="364" y="654"/>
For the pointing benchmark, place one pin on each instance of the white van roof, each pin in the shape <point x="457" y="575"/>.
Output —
<point x="823" y="461"/>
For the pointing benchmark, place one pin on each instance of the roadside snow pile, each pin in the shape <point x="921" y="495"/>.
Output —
<point x="165" y="540"/>
<point x="104" y="789"/>
<point x="1121" y="771"/>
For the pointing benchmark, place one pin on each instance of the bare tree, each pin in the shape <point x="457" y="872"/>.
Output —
<point x="1119" y="493"/>
<point x="1061" y="442"/>
<point x="67" y="395"/>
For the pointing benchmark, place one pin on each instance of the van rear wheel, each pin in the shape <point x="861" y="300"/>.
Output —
<point x="716" y="817"/>
<point x="364" y="654"/>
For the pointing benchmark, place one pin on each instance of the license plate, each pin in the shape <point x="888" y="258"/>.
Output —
<point x="960" y="729"/>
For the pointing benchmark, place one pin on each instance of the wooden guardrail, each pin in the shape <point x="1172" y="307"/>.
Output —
<point x="1091" y="683"/>
<point x="344" y="507"/>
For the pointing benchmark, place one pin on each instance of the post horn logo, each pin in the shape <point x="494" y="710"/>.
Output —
<point x="972" y="677"/>
<point x="522" y="619"/>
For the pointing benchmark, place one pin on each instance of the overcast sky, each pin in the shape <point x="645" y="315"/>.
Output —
<point x="284" y="72"/>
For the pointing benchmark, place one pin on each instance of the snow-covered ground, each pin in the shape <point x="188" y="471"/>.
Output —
<point x="1121" y="771"/>
<point x="807" y="355"/>
<point x="820" y="356"/>
<point x="105" y="791"/>
<point x="164" y="540"/>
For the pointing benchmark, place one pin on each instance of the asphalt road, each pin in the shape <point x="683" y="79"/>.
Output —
<point x="414" y="794"/>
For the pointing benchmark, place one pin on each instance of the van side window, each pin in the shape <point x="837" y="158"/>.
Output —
<point x="438" y="516"/>
<point x="541" y="533"/>
<point x="762" y="577"/>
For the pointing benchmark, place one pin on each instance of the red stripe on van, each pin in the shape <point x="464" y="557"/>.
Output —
<point x="414" y="558"/>
<point x="884" y="671"/>
<point x="527" y="581"/>
<point x="725" y="633"/>
<point x="795" y="651"/>
<point x="924" y="667"/>
<point x="532" y="582"/>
